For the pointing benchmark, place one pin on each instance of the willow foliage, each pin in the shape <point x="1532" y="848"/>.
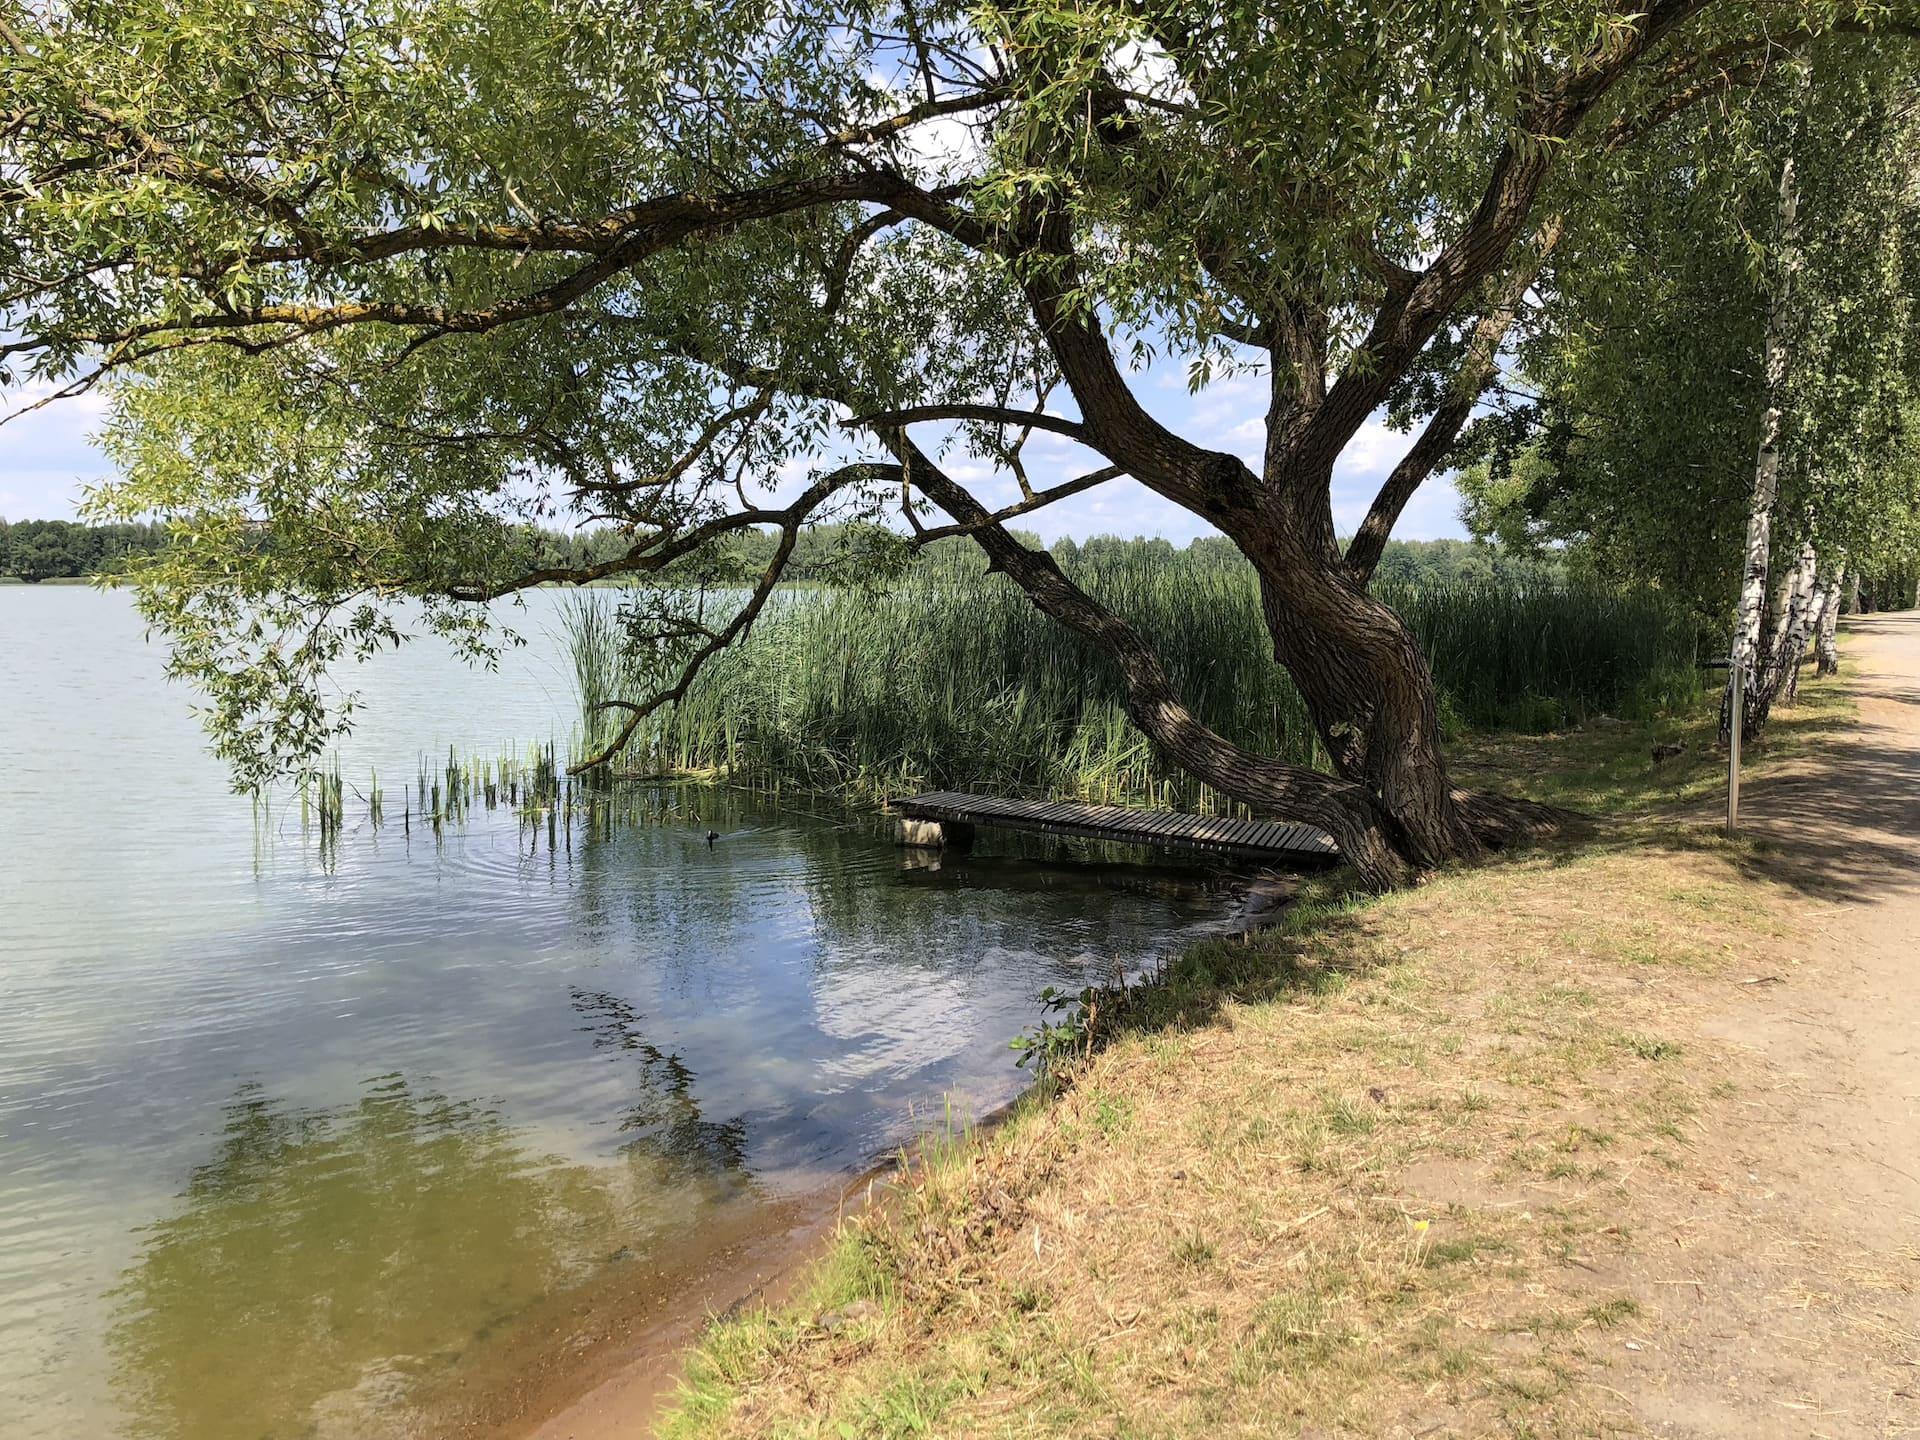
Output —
<point x="372" y="283"/>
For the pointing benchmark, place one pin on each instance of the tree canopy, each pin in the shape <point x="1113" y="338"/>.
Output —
<point x="383" y="280"/>
<point x="1639" y="384"/>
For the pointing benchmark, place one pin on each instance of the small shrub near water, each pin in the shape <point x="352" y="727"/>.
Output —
<point x="951" y="678"/>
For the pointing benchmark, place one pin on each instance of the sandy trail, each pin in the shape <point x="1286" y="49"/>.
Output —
<point x="1786" y="1302"/>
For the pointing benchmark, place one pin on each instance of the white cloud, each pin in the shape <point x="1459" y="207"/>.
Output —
<point x="47" y="455"/>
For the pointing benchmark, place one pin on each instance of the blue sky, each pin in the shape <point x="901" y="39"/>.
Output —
<point x="46" y="457"/>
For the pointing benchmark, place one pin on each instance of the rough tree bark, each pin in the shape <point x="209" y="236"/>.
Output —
<point x="1366" y="833"/>
<point x="1791" y="651"/>
<point x="1784" y="645"/>
<point x="1370" y="693"/>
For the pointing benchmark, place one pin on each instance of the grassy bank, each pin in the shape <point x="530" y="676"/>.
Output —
<point x="952" y="678"/>
<point x="1374" y="1172"/>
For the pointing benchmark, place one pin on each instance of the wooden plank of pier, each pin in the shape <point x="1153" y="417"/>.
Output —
<point x="1265" y="840"/>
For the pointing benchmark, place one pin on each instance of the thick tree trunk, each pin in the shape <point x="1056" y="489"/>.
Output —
<point x="1367" y="686"/>
<point x="1368" y="838"/>
<point x="1766" y="471"/>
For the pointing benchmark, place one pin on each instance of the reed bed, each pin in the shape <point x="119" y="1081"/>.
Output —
<point x="531" y="786"/>
<point x="950" y="678"/>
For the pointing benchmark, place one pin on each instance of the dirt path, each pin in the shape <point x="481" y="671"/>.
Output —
<point x="1787" y="1302"/>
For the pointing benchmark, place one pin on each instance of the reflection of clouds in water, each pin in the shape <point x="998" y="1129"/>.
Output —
<point x="890" y="1028"/>
<point x="647" y="1025"/>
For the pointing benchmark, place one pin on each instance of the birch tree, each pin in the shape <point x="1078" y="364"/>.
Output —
<point x="1751" y="608"/>
<point x="1826" y="637"/>
<point x="1732" y="416"/>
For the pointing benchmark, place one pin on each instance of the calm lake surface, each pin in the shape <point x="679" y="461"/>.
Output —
<point x="286" y="1141"/>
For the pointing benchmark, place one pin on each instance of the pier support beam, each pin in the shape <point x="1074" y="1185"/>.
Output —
<point x="933" y="834"/>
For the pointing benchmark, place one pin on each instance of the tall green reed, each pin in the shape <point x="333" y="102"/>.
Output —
<point x="949" y="677"/>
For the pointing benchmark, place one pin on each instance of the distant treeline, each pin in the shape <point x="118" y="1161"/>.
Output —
<point x="35" y="550"/>
<point x="823" y="555"/>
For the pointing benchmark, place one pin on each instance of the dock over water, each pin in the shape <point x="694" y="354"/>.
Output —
<point x="947" y="817"/>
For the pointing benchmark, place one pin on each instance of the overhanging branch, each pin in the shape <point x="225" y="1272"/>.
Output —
<point x="656" y="552"/>
<point x="790" y="521"/>
<point x="1038" y="500"/>
<point x="985" y="414"/>
<point x="1477" y="369"/>
<point x="1289" y="791"/>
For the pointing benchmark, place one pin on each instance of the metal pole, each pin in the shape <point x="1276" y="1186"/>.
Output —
<point x="1733" y="747"/>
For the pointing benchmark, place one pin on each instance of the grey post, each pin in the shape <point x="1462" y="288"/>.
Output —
<point x="1733" y="747"/>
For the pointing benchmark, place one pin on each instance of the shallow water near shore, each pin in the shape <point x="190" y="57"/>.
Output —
<point x="291" y="1143"/>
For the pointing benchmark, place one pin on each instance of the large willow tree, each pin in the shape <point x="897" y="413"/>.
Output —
<point x="372" y="280"/>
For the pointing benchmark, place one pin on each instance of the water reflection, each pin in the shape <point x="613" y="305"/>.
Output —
<point x="665" y="1118"/>
<point x="594" y="1042"/>
<point x="325" y="1266"/>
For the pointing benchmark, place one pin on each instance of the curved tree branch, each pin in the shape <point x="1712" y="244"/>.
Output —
<point x="1341" y="808"/>
<point x="657" y="551"/>
<point x="790" y="521"/>
<point x="1405" y="323"/>
<point x="1038" y="500"/>
<point x="614" y="244"/>
<point x="986" y="414"/>
<point x="1469" y="382"/>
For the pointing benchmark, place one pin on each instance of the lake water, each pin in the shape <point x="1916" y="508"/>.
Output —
<point x="292" y="1144"/>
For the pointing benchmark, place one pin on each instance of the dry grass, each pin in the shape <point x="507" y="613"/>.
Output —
<point x="1372" y="1173"/>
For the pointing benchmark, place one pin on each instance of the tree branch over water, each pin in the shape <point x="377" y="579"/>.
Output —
<point x="660" y="267"/>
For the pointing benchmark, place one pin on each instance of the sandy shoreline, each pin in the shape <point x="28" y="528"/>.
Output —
<point x="618" y="1391"/>
<point x="600" y="1362"/>
<point x="631" y="1383"/>
<point x="606" y="1365"/>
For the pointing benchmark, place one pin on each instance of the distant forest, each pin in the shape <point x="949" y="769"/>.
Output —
<point x="36" y="550"/>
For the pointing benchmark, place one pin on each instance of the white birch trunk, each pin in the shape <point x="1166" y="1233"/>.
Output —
<point x="1766" y="470"/>
<point x="1817" y="612"/>
<point x="1792" y="649"/>
<point x="1786" y="594"/>
<point x="1827" y="646"/>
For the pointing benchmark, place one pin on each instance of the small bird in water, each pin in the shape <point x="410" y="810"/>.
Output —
<point x="712" y="835"/>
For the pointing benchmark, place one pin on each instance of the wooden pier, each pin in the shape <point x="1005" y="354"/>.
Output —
<point x="946" y="817"/>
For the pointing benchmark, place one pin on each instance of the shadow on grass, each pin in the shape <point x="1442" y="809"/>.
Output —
<point x="1830" y="801"/>
<point x="1318" y="942"/>
<point x="960" y="1200"/>
<point x="1830" y="806"/>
